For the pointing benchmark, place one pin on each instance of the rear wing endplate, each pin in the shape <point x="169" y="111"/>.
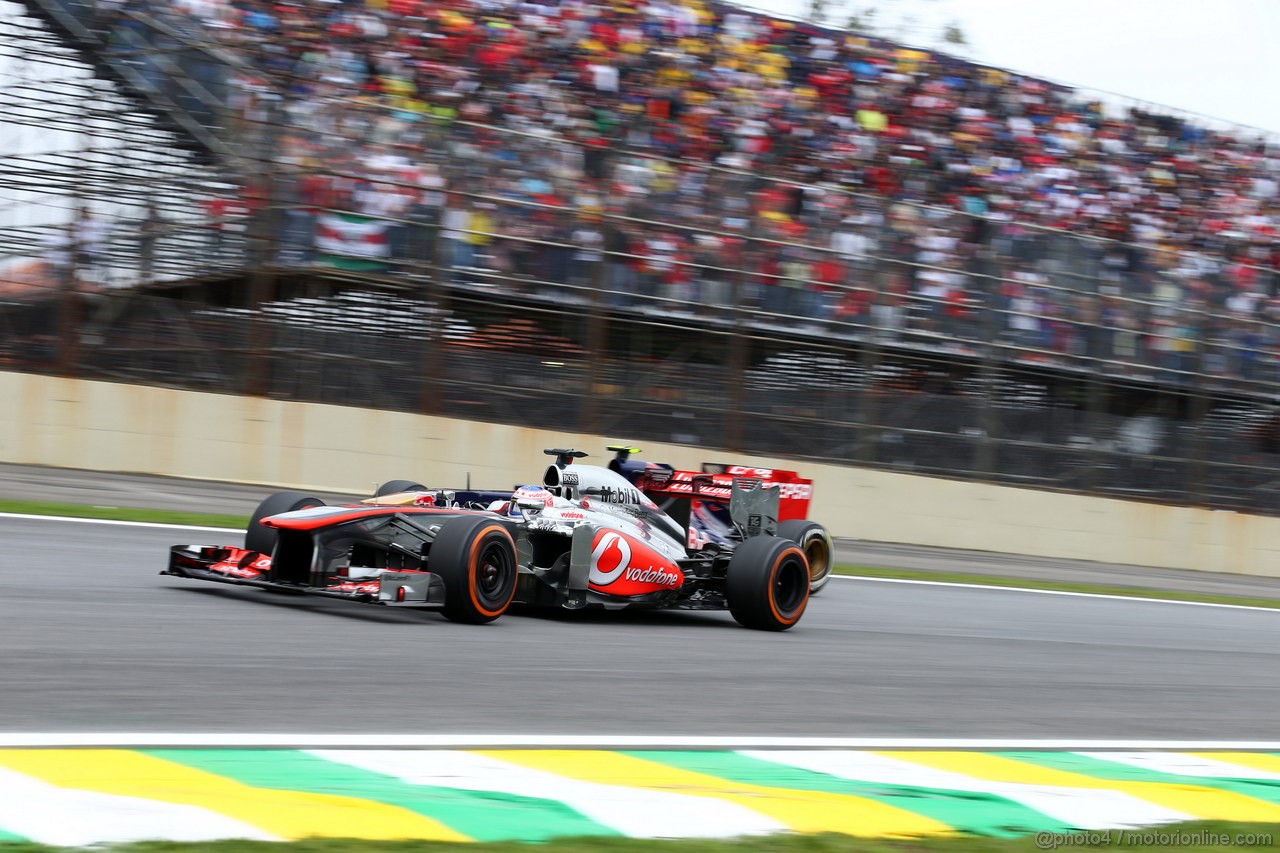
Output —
<point x="753" y="507"/>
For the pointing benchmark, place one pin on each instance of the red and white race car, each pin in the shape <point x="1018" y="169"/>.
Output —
<point x="630" y="534"/>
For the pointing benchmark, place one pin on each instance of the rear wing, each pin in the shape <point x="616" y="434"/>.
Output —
<point x="714" y="485"/>
<point x="703" y="502"/>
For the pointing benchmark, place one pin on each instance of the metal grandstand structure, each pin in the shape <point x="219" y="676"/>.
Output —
<point x="120" y="261"/>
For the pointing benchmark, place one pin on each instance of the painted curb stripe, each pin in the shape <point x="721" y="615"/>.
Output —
<point x="287" y="814"/>
<point x="802" y="811"/>
<point x="485" y="817"/>
<point x="605" y="809"/>
<point x="630" y="811"/>
<point x="1269" y="763"/>
<point x="1184" y="794"/>
<point x="83" y="797"/>
<point x="1141" y="812"/>
<point x="35" y="810"/>
<point x="1063" y="808"/>
<point x="1184" y="764"/>
<point x="969" y="812"/>
<point x="1260" y="789"/>
<point x="532" y="812"/>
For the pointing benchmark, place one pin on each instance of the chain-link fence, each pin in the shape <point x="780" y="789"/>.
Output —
<point x="465" y="352"/>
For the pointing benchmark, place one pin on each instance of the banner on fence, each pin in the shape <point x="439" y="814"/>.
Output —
<point x="352" y="242"/>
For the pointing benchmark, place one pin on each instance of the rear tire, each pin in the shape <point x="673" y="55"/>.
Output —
<point x="395" y="487"/>
<point x="768" y="583"/>
<point x="475" y="557"/>
<point x="814" y="540"/>
<point x="263" y="539"/>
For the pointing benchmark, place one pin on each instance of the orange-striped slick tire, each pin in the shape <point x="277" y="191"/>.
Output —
<point x="475" y="557"/>
<point x="768" y="583"/>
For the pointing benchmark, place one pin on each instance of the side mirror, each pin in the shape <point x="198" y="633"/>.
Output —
<point x="564" y="456"/>
<point x="621" y="453"/>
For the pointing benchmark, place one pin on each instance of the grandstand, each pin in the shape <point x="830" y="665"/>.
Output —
<point x="724" y="229"/>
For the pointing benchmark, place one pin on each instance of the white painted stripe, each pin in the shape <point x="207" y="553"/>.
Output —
<point x="1082" y="808"/>
<point x="158" y="740"/>
<point x="1022" y="589"/>
<point x="1186" y="765"/>
<point x="67" y="817"/>
<point x="1061" y="592"/>
<point x="637" y="812"/>
<point x="113" y="522"/>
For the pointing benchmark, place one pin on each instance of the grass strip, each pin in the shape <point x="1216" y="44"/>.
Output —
<point x="1056" y="586"/>
<point x="1192" y="837"/>
<point x="124" y="513"/>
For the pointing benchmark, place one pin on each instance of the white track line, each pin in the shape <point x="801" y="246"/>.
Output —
<point x="160" y="526"/>
<point x="159" y="740"/>
<point x="113" y="522"/>
<point x="1062" y="592"/>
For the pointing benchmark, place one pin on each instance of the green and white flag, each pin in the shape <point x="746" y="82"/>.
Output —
<point x="349" y="241"/>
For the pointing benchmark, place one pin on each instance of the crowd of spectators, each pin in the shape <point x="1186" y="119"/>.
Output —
<point x="695" y="152"/>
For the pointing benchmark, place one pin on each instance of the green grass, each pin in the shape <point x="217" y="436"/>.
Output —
<point x="1204" y="831"/>
<point x="121" y="513"/>
<point x="238" y="522"/>
<point x="1035" y="583"/>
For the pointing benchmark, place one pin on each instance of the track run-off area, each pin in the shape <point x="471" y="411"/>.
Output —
<point x="192" y="711"/>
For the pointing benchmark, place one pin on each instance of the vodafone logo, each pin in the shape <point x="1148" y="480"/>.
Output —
<point x="653" y="576"/>
<point x="609" y="559"/>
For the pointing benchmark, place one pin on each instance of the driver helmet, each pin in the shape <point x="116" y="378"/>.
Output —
<point x="512" y="509"/>
<point x="533" y="493"/>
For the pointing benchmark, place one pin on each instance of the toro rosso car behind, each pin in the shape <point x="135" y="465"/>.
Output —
<point x="630" y="534"/>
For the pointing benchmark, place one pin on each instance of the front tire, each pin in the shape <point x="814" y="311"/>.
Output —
<point x="768" y="583"/>
<point x="262" y="539"/>
<point x="475" y="557"/>
<point x="814" y="540"/>
<point x="395" y="487"/>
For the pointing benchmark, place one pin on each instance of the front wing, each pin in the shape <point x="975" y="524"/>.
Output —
<point x="240" y="567"/>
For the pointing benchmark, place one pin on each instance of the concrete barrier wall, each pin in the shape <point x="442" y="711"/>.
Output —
<point x="110" y="427"/>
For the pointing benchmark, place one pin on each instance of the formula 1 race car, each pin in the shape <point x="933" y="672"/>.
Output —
<point x="586" y="536"/>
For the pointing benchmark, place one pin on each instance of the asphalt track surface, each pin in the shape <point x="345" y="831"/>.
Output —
<point x="94" y="640"/>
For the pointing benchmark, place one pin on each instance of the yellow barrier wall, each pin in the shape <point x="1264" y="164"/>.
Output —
<point x="111" y="427"/>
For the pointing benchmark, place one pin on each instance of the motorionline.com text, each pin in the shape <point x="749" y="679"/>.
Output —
<point x="1151" y="838"/>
